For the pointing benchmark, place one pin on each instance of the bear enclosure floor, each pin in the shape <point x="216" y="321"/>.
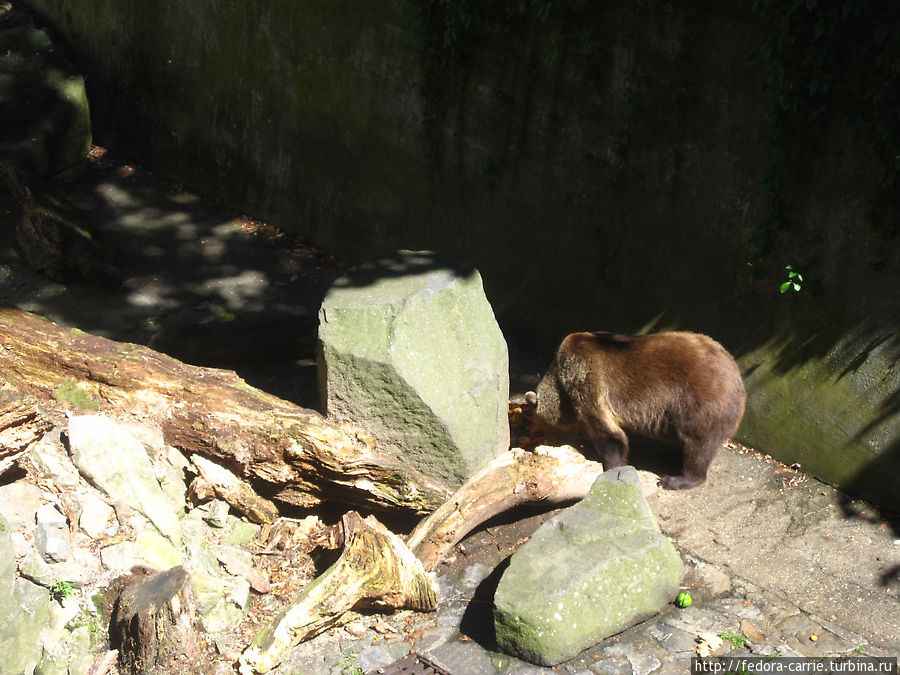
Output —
<point x="772" y="554"/>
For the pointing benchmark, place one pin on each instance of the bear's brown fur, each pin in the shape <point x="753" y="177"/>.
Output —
<point x="679" y="387"/>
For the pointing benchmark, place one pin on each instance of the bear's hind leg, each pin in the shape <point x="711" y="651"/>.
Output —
<point x="698" y="455"/>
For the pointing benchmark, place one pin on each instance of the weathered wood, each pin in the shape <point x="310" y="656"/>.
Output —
<point x="304" y="458"/>
<point x="375" y="568"/>
<point x="549" y="475"/>
<point x="236" y="492"/>
<point x="104" y="663"/>
<point x="152" y="622"/>
<point x="21" y="424"/>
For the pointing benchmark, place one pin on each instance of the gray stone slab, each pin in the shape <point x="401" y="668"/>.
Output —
<point x="591" y="571"/>
<point x="411" y="352"/>
<point x="113" y="458"/>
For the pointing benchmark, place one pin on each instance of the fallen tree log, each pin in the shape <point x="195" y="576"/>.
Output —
<point x="236" y="492"/>
<point x="21" y="424"/>
<point x="304" y="458"/>
<point x="548" y="475"/>
<point x="375" y="568"/>
<point x="378" y="567"/>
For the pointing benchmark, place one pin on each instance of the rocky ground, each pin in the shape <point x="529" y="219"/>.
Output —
<point x="777" y="562"/>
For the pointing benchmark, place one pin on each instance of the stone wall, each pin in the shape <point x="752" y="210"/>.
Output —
<point x="608" y="172"/>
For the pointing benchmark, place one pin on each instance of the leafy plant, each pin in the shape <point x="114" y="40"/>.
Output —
<point x="61" y="590"/>
<point x="93" y="621"/>
<point x="737" y="641"/>
<point x="793" y="281"/>
<point x="348" y="665"/>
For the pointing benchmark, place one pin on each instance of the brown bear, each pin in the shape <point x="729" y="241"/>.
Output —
<point x="677" y="387"/>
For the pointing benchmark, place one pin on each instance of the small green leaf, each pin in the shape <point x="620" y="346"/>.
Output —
<point x="785" y="286"/>
<point x="796" y="287"/>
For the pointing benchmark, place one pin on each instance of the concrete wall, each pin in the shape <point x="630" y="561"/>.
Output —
<point x="611" y="176"/>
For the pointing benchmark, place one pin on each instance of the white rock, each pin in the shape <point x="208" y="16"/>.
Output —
<point x="217" y="513"/>
<point x="95" y="516"/>
<point x="48" y="514"/>
<point x="114" y="457"/>
<point x="20" y="544"/>
<point x="18" y="503"/>
<point x="50" y="457"/>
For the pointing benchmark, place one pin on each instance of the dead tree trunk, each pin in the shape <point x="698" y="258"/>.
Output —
<point x="375" y="568"/>
<point x="548" y="475"/>
<point x="303" y="457"/>
<point x="21" y="424"/>
<point x="152" y="622"/>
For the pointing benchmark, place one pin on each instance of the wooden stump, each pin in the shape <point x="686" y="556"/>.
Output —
<point x="152" y="622"/>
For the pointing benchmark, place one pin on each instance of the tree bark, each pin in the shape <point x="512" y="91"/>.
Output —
<point x="21" y="424"/>
<point x="375" y="568"/>
<point x="549" y="475"/>
<point x="236" y="492"/>
<point x="304" y="458"/>
<point x="152" y="622"/>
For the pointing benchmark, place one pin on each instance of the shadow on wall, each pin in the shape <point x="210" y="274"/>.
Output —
<point x="830" y="401"/>
<point x="625" y="165"/>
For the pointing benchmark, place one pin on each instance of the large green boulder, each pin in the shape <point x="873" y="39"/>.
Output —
<point x="43" y="102"/>
<point x="590" y="572"/>
<point x="410" y="351"/>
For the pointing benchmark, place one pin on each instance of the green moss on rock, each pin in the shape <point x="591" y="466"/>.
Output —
<point x="69" y="392"/>
<point x="588" y="573"/>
